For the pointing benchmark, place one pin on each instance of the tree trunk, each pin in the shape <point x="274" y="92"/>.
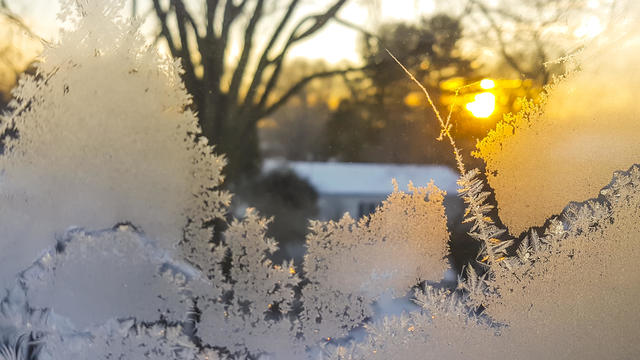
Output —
<point x="231" y="137"/>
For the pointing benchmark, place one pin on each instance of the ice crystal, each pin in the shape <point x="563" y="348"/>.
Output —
<point x="126" y="339"/>
<point x="571" y="287"/>
<point x="249" y="311"/>
<point x="483" y="228"/>
<point x="124" y="149"/>
<point x="580" y="283"/>
<point x="104" y="136"/>
<point x="351" y="264"/>
<point x="90" y="278"/>
<point x="566" y="147"/>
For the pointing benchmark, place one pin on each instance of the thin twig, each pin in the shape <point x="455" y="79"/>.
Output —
<point x="445" y="127"/>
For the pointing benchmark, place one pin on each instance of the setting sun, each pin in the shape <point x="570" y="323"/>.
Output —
<point x="483" y="105"/>
<point x="487" y="84"/>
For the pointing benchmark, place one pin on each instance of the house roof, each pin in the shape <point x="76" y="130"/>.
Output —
<point x="338" y="178"/>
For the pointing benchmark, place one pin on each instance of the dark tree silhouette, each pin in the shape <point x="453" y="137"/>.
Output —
<point x="379" y="123"/>
<point x="229" y="111"/>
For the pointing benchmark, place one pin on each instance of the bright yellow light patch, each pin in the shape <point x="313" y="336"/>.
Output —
<point x="452" y="84"/>
<point x="267" y="123"/>
<point x="333" y="102"/>
<point x="487" y="84"/>
<point x="483" y="105"/>
<point x="589" y="28"/>
<point x="413" y="99"/>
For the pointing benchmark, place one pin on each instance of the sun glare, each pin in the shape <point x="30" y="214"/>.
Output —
<point x="487" y="84"/>
<point x="589" y="28"/>
<point x="483" y="105"/>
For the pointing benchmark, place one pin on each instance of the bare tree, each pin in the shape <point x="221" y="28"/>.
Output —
<point x="228" y="113"/>
<point x="526" y="35"/>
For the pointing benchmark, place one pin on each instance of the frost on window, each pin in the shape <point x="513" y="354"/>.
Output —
<point x="448" y="330"/>
<point x="123" y="149"/>
<point x="567" y="287"/>
<point x="566" y="148"/>
<point x="92" y="277"/>
<point x="568" y="291"/>
<point x="577" y="279"/>
<point x="352" y="263"/>
<point x="251" y="314"/>
<point x="104" y="137"/>
<point x="126" y="339"/>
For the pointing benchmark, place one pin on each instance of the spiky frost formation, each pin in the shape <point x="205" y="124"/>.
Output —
<point x="18" y="347"/>
<point x="569" y="291"/>
<point x="90" y="278"/>
<point x="576" y="282"/>
<point x="483" y="227"/>
<point x="351" y="264"/>
<point x="445" y="328"/>
<point x="124" y="339"/>
<point x="249" y="311"/>
<point x="104" y="136"/>
<point x="566" y="147"/>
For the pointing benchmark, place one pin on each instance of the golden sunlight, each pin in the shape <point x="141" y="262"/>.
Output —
<point x="414" y="99"/>
<point x="589" y="28"/>
<point x="483" y="105"/>
<point x="487" y="84"/>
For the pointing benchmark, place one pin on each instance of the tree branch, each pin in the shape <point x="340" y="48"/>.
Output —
<point x="246" y="127"/>
<point x="164" y="27"/>
<point x="319" y="22"/>
<point x="212" y="7"/>
<point x="238" y="73"/>
<point x="304" y="81"/>
<point x="214" y="53"/>
<point x="503" y="47"/>
<point x="189" y="18"/>
<point x="185" y="52"/>
<point x="264" y="59"/>
<point x="231" y="12"/>
<point x="356" y="27"/>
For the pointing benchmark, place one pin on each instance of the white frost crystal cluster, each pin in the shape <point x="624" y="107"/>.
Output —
<point x="254" y="318"/>
<point x="351" y="264"/>
<point x="104" y="170"/>
<point x="92" y="277"/>
<point x="568" y="292"/>
<point x="107" y="192"/>
<point x="103" y="136"/>
<point x="567" y="148"/>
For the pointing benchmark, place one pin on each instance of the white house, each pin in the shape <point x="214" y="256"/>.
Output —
<point x="358" y="188"/>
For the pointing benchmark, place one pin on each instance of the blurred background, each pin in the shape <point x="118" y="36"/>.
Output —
<point x="314" y="116"/>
